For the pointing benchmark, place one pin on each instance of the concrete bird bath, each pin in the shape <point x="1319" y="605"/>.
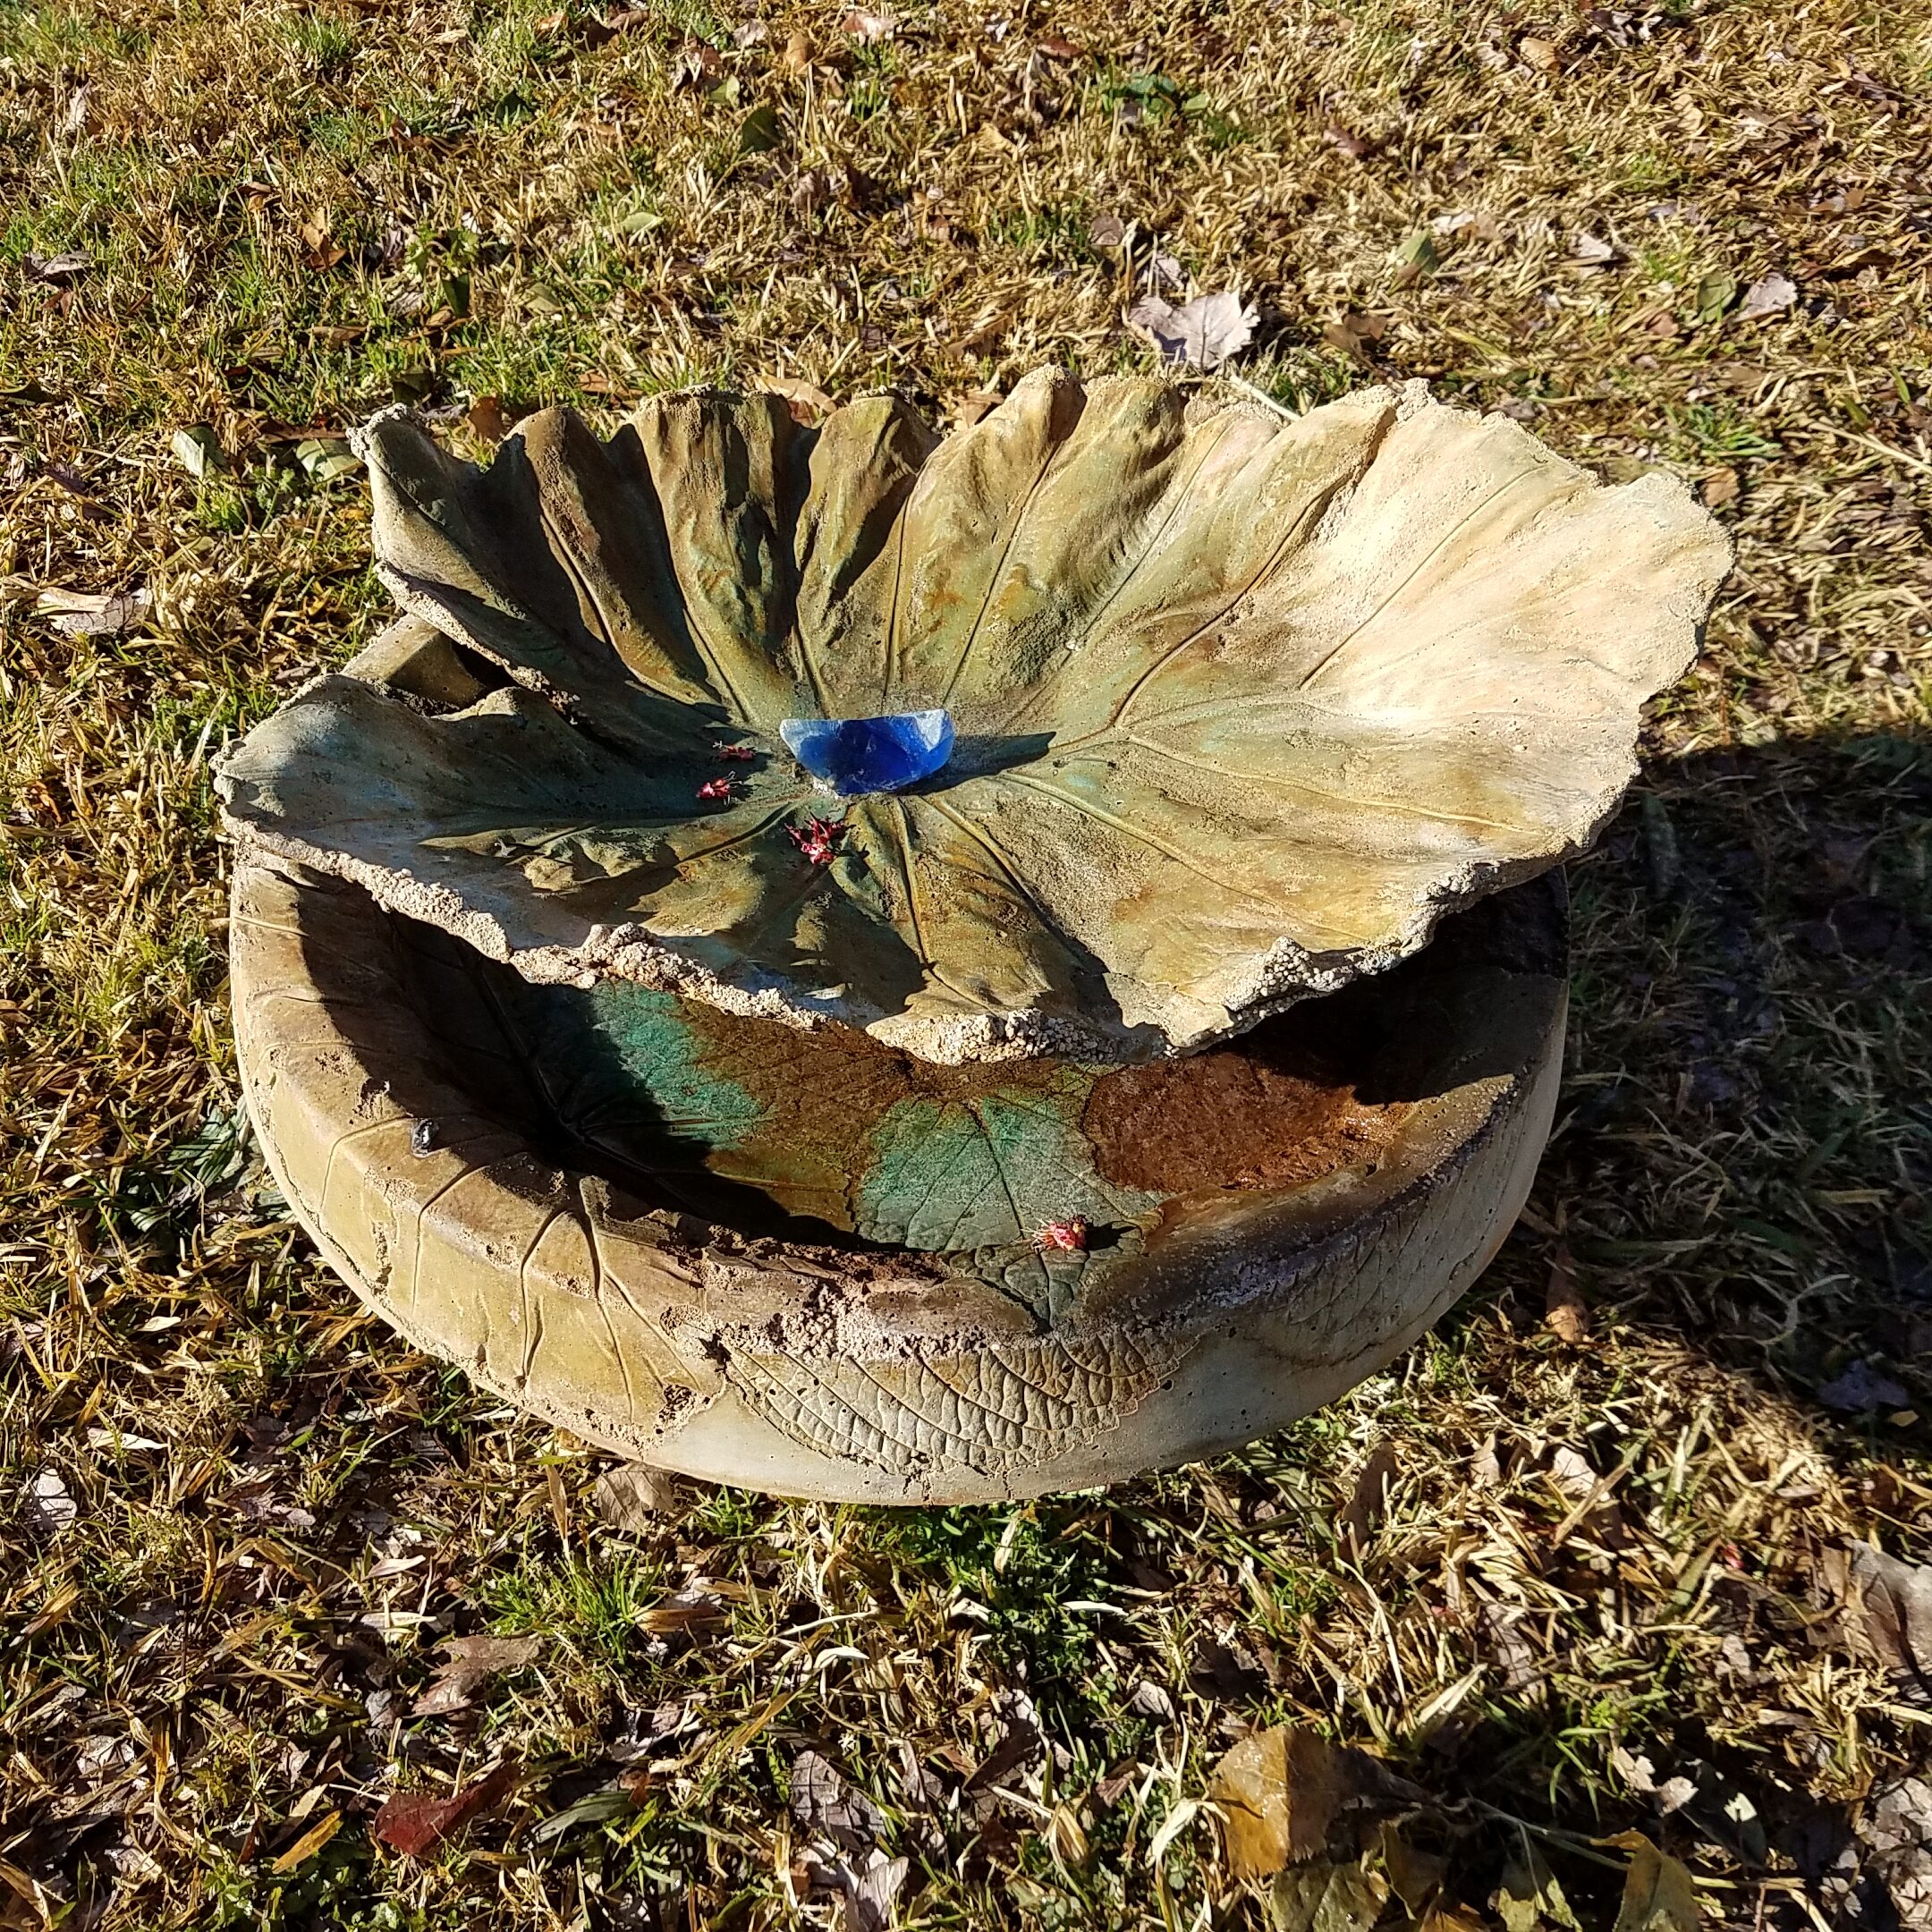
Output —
<point x="876" y="966"/>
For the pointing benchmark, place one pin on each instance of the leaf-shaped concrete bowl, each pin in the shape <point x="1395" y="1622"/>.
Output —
<point x="811" y="1263"/>
<point x="1238" y="707"/>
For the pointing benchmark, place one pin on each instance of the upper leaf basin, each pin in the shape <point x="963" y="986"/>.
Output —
<point x="1242" y="706"/>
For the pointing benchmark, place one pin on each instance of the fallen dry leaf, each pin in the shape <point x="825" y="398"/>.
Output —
<point x="827" y="1806"/>
<point x="1658" y="1896"/>
<point x="467" y="1663"/>
<point x="1347" y="141"/>
<point x="48" y="1501"/>
<point x="1771" y="296"/>
<point x="1055" y="48"/>
<point x="866" y="27"/>
<point x="1591" y="251"/>
<point x="631" y="1496"/>
<point x="1417" y="258"/>
<point x="798" y="53"/>
<point x="306" y="1847"/>
<point x="1523" y="1670"/>
<point x="1529" y="1899"/>
<point x="491" y="420"/>
<point x="1326" y="1898"/>
<point x="1202" y="335"/>
<point x="84" y="614"/>
<point x="1352" y="332"/>
<point x="198" y="451"/>
<point x="1890" y="1607"/>
<point x="1572" y="1472"/>
<point x="697" y="64"/>
<point x="1859" y="1391"/>
<point x="1565" y="1313"/>
<point x="57" y="268"/>
<point x="1538" y="52"/>
<point x="1719" y="488"/>
<point x="1367" y="1502"/>
<point x="1106" y="231"/>
<point x="1279" y="1791"/>
<point x="1416" y="1874"/>
<point x="412" y="1823"/>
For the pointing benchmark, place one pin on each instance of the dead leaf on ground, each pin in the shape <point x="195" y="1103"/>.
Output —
<point x="1279" y="1791"/>
<point x="1019" y="1744"/>
<point x="197" y="450"/>
<point x="1888" y="1609"/>
<point x="1202" y="334"/>
<point x="1771" y="296"/>
<point x="84" y="613"/>
<point x="798" y="53"/>
<point x="1859" y="1391"/>
<point x="1415" y="1874"/>
<point x="684" y="1610"/>
<point x="1538" y="52"/>
<point x="1326" y="1898"/>
<point x="1658" y="1896"/>
<point x="1896" y="1829"/>
<point x="492" y="418"/>
<point x="1055" y="48"/>
<point x="1416" y="259"/>
<point x="306" y="1847"/>
<point x="1641" y="1775"/>
<point x="1352" y="332"/>
<point x="865" y="1895"/>
<point x="1591" y="250"/>
<point x="1719" y="488"/>
<point x="866" y="27"/>
<point x="57" y="268"/>
<point x="1367" y="1502"/>
<point x="697" y="64"/>
<point x="1345" y="141"/>
<point x="1106" y="231"/>
<point x="413" y="1823"/>
<point x="48" y="1501"/>
<point x="319" y="250"/>
<point x="1715" y="291"/>
<point x="1522" y="1669"/>
<point x="827" y="1807"/>
<point x="1529" y="1899"/>
<point x="976" y="403"/>
<point x="1572" y="1472"/>
<point x="633" y="1497"/>
<point x="467" y="1663"/>
<point x="1565" y="1313"/>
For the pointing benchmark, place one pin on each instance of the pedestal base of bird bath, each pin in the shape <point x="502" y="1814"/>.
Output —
<point x="534" y="1185"/>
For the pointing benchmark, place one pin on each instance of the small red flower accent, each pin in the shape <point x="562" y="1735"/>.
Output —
<point x="741" y="754"/>
<point x="818" y="839"/>
<point x="715" y="788"/>
<point x="1064" y="1237"/>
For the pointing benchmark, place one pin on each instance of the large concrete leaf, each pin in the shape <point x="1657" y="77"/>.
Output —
<point x="1244" y="704"/>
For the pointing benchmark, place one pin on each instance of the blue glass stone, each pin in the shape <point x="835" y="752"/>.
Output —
<point x="871" y="754"/>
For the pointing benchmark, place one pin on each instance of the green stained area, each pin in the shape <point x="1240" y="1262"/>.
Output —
<point x="984" y="1176"/>
<point x="752" y="1117"/>
<point x="656" y="1049"/>
<point x="622" y="1061"/>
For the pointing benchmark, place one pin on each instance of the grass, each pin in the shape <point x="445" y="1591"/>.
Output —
<point x="291" y="215"/>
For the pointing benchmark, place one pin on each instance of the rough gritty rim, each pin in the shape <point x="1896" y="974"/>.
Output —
<point x="738" y="1363"/>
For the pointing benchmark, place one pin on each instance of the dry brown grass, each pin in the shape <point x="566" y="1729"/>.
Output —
<point x="292" y="213"/>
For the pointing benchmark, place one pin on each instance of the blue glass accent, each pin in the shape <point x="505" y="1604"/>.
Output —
<point x="871" y="754"/>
